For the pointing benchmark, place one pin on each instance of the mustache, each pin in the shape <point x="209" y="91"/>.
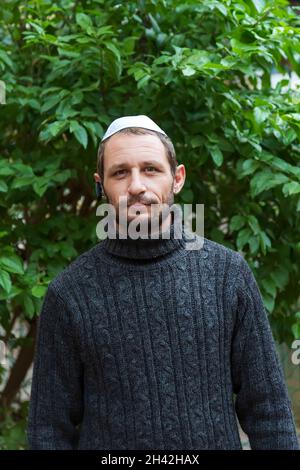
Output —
<point x="140" y="200"/>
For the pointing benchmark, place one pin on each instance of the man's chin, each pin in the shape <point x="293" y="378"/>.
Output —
<point x="132" y="214"/>
<point x="143" y="221"/>
<point x="141" y="218"/>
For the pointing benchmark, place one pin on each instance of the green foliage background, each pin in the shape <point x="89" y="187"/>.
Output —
<point x="202" y="70"/>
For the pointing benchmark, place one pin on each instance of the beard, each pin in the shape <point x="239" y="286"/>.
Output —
<point x="124" y="222"/>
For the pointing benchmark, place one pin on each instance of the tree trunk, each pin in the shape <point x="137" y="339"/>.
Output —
<point x="20" y="368"/>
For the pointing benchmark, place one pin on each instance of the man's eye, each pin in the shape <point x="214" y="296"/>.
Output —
<point x="119" y="172"/>
<point x="151" y="168"/>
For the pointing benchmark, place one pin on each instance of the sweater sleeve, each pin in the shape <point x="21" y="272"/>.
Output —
<point x="55" y="408"/>
<point x="262" y="404"/>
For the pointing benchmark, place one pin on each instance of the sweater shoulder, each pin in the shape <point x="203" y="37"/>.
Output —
<point x="224" y="261"/>
<point x="79" y="268"/>
<point x="218" y="251"/>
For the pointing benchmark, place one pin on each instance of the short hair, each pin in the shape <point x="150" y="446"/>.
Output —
<point x="139" y="131"/>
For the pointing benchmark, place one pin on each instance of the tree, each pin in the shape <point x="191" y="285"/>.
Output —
<point x="203" y="71"/>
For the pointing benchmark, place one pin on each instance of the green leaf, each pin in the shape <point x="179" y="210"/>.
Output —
<point x="269" y="286"/>
<point x="95" y="129"/>
<point x="254" y="224"/>
<point x="296" y="330"/>
<point x="237" y="222"/>
<point x="111" y="47"/>
<point x="196" y="141"/>
<point x="20" y="182"/>
<point x="291" y="188"/>
<point x="216" y="154"/>
<point x="5" y="281"/>
<point x="265" y="180"/>
<point x="297" y="315"/>
<point x="280" y="276"/>
<point x="41" y="185"/>
<point x="57" y="127"/>
<point x="62" y="176"/>
<point x="67" y="250"/>
<point x="36" y="27"/>
<point x="65" y="110"/>
<point x="222" y="8"/>
<point x="269" y="302"/>
<point x="279" y="164"/>
<point x="260" y="115"/>
<point x="13" y="292"/>
<point x="249" y="166"/>
<point x="188" y="71"/>
<point x="259" y="5"/>
<point x="51" y="102"/>
<point x="243" y="238"/>
<point x="29" y="306"/>
<point x="3" y="187"/>
<point x="12" y="264"/>
<point x="53" y="130"/>
<point x="23" y="170"/>
<point x="4" y="57"/>
<point x="39" y="291"/>
<point x="265" y="242"/>
<point x="5" y="168"/>
<point x="79" y="132"/>
<point x="289" y="136"/>
<point x="84" y="21"/>
<point x="254" y="244"/>
<point x="143" y="82"/>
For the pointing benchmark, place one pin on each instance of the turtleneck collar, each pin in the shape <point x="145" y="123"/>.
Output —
<point x="146" y="248"/>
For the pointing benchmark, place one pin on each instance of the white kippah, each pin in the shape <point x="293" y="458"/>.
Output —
<point x="131" y="121"/>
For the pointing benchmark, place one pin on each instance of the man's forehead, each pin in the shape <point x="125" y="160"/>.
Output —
<point x="124" y="143"/>
<point x="132" y="150"/>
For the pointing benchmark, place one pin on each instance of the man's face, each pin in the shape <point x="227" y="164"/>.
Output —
<point x="137" y="167"/>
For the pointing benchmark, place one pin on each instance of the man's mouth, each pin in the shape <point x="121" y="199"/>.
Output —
<point x="138" y="204"/>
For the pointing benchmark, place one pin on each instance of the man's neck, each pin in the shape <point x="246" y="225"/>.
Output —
<point x="170" y="237"/>
<point x="147" y="229"/>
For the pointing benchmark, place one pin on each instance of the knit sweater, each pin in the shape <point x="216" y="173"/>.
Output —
<point x="146" y="344"/>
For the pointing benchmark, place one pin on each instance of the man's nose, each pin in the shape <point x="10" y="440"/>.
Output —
<point x="136" y="185"/>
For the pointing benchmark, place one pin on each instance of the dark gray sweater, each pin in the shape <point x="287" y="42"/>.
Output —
<point x="148" y="345"/>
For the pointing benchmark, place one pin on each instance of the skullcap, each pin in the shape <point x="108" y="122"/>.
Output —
<point x="131" y="121"/>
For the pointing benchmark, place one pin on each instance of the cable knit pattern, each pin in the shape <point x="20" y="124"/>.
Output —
<point x="146" y="344"/>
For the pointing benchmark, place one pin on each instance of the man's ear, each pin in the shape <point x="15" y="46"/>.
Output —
<point x="97" y="177"/>
<point x="98" y="186"/>
<point x="179" y="178"/>
<point x="99" y="191"/>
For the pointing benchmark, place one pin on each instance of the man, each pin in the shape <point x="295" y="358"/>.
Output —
<point x="146" y="344"/>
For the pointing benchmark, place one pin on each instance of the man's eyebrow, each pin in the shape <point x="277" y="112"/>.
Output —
<point x="152" y="162"/>
<point x="118" y="166"/>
